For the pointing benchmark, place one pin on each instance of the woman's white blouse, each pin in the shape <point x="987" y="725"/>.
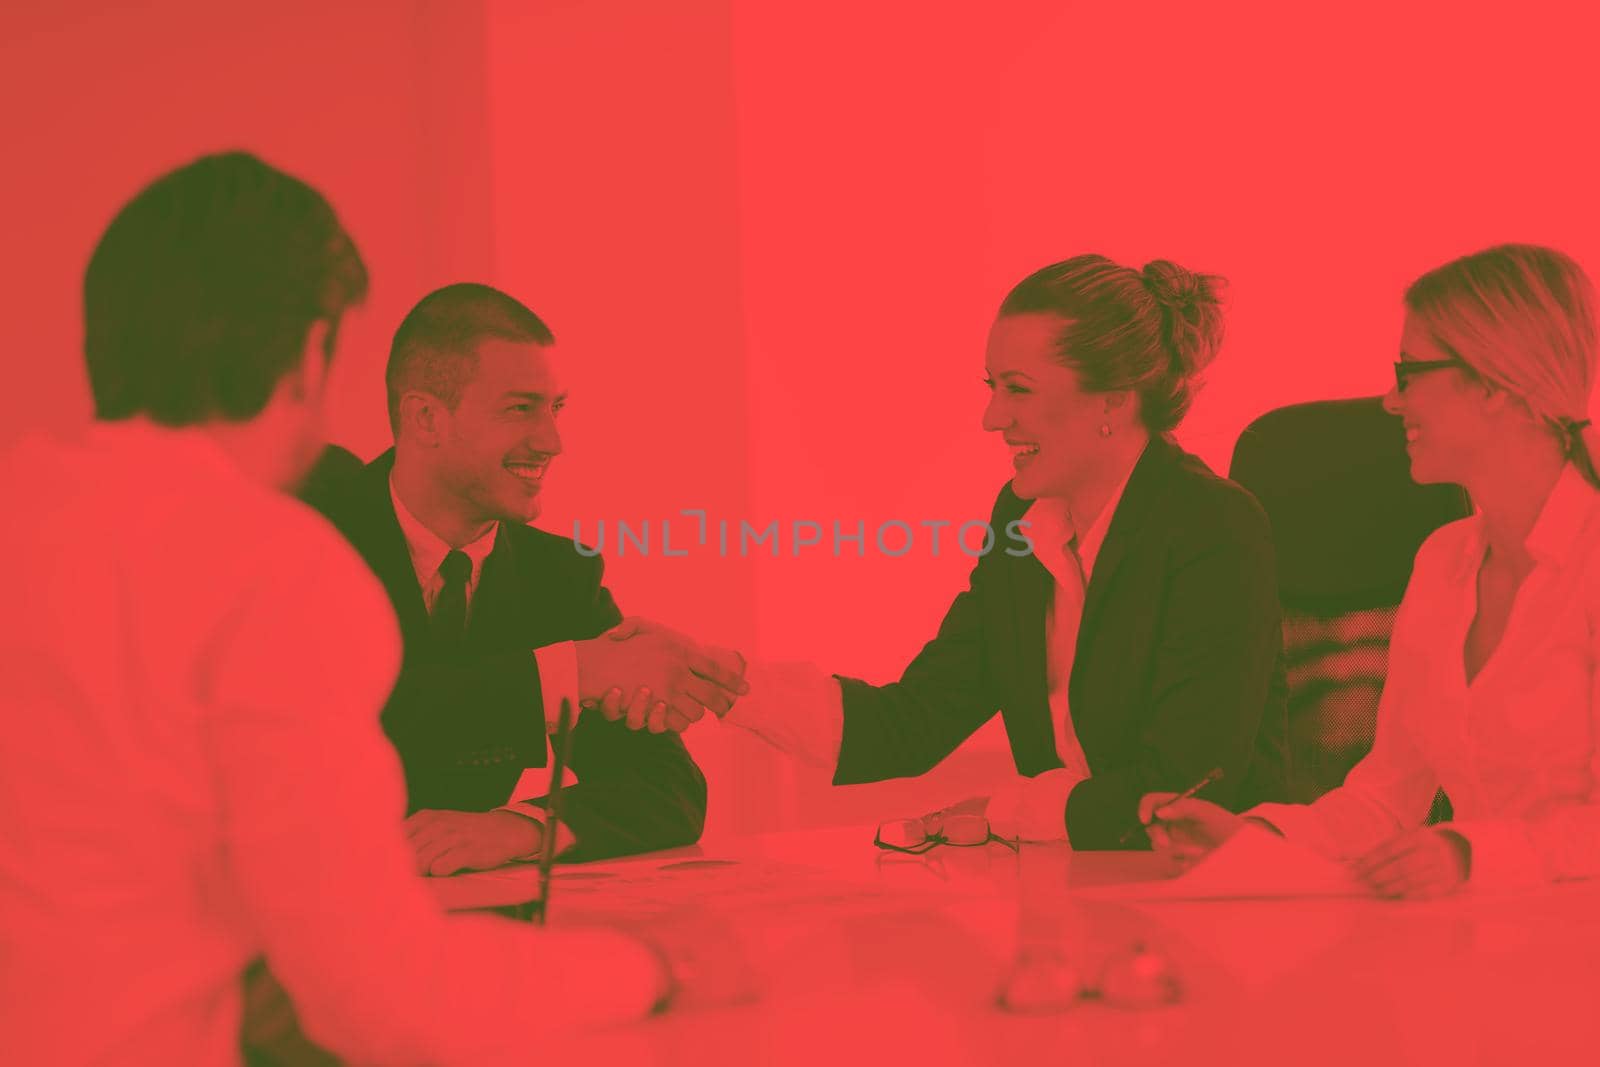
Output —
<point x="1516" y="749"/>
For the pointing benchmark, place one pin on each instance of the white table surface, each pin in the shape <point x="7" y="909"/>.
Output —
<point x="867" y="957"/>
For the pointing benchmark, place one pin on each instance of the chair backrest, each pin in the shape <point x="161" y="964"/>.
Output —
<point x="1347" y="520"/>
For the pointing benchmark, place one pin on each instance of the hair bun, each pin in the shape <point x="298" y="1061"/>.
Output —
<point x="1192" y="312"/>
<point x="1171" y="284"/>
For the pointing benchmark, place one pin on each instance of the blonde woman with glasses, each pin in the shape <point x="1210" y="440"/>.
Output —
<point x="1491" y="684"/>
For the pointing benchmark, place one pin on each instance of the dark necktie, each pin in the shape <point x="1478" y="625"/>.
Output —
<point x="449" y="619"/>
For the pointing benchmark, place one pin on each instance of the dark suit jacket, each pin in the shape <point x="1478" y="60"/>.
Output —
<point x="327" y="481"/>
<point x="467" y="724"/>
<point x="1178" y="666"/>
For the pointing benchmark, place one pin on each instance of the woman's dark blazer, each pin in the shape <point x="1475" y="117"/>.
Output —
<point x="1178" y="667"/>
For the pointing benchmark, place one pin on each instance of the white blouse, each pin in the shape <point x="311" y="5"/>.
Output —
<point x="1516" y="749"/>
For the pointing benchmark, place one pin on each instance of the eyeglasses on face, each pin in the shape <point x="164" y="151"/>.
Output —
<point x="1404" y="369"/>
<point x="916" y="836"/>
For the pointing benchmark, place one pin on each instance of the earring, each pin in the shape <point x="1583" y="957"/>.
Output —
<point x="1105" y="429"/>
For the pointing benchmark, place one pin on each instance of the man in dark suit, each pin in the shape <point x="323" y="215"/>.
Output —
<point x="500" y="620"/>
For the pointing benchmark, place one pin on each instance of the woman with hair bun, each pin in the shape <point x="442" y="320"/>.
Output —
<point x="1137" y="645"/>
<point x="1490" y="692"/>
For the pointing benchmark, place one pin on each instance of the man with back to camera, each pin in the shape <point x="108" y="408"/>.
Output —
<point x="193" y="766"/>
<point x="502" y="620"/>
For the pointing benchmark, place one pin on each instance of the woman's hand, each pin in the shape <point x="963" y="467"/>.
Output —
<point x="1186" y="829"/>
<point x="1426" y="862"/>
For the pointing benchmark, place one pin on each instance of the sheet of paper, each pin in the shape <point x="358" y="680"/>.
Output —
<point x="1253" y="864"/>
<point x="644" y="885"/>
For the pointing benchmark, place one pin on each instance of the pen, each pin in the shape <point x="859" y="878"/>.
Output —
<point x="1212" y="776"/>
<point x="552" y="804"/>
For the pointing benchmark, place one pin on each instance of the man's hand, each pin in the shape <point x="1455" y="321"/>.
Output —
<point x="655" y="677"/>
<point x="1427" y="862"/>
<point x="449" y="841"/>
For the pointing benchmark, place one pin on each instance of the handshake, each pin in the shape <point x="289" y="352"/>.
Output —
<point x="656" y="678"/>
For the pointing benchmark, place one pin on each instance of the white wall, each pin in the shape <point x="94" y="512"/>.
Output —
<point x="379" y="105"/>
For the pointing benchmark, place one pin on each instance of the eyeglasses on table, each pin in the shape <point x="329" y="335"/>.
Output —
<point x="916" y="836"/>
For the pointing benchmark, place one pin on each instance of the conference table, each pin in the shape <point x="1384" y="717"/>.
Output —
<point x="858" y="955"/>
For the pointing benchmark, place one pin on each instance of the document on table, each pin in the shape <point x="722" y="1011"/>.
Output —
<point x="1253" y="864"/>
<point x="641" y="886"/>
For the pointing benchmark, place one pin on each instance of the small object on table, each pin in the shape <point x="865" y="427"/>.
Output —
<point x="1140" y="978"/>
<point x="703" y="962"/>
<point x="1041" y="981"/>
<point x="916" y="836"/>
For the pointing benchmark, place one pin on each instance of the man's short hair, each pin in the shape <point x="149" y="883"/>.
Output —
<point x="198" y="298"/>
<point x="435" y="348"/>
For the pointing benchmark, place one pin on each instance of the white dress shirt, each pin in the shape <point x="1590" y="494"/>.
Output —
<point x="193" y="774"/>
<point x="1518" y="749"/>
<point x="428" y="551"/>
<point x="800" y="710"/>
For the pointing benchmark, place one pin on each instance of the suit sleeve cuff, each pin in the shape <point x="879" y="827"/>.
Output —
<point x="558" y="678"/>
<point x="565" y="838"/>
<point x="794" y="707"/>
<point x="1033" y="809"/>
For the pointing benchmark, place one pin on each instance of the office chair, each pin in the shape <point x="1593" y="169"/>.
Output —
<point x="1347" y="521"/>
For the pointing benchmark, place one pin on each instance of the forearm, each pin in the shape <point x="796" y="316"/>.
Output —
<point x="903" y="729"/>
<point x="635" y="791"/>
<point x="376" y="972"/>
<point x="1513" y="853"/>
<point x="868" y="733"/>
<point x="1341" y="824"/>
<point x="625" y="819"/>
<point x="794" y="707"/>
<point x="440" y="712"/>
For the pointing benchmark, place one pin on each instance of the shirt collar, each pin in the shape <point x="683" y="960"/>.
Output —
<point x="1090" y="541"/>
<point x="428" y="549"/>
<point x="1565" y="513"/>
<point x="1052" y="528"/>
<point x="1563" y="516"/>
